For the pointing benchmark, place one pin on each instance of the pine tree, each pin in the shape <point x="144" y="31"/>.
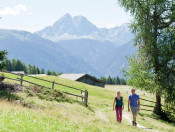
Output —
<point x="18" y="66"/>
<point x="29" y="69"/>
<point x="59" y="73"/>
<point x="24" y="68"/>
<point x="42" y="71"/>
<point x="34" y="70"/>
<point x="8" y="65"/>
<point x="122" y="82"/>
<point x="53" y="73"/>
<point x="114" y="80"/>
<point x="49" y="72"/>
<point x="118" y="81"/>
<point x="109" y="80"/>
<point x="13" y="65"/>
<point x="38" y="70"/>
<point x="2" y="57"/>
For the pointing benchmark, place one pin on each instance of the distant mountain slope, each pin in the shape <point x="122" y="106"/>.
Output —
<point x="90" y="51"/>
<point x="78" y="27"/>
<point x="102" y="56"/>
<point x="117" y="60"/>
<point x="44" y="53"/>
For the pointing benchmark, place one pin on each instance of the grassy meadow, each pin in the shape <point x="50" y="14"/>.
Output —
<point x="52" y="115"/>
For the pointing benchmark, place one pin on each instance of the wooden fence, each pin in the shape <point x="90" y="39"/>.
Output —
<point x="149" y="106"/>
<point x="83" y="93"/>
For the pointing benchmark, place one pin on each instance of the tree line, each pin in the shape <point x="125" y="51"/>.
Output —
<point x="17" y="65"/>
<point x="113" y="80"/>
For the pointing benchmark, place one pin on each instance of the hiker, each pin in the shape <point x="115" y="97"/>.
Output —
<point x="118" y="105"/>
<point x="134" y="103"/>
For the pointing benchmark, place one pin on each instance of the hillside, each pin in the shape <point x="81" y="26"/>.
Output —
<point x="104" y="57"/>
<point x="65" y="116"/>
<point x="117" y="60"/>
<point x="31" y="48"/>
<point x="90" y="51"/>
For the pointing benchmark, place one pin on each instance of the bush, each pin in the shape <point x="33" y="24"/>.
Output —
<point x="46" y="94"/>
<point x="9" y="96"/>
<point x="2" y="77"/>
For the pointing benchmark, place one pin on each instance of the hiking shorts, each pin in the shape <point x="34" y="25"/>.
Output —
<point x="134" y="110"/>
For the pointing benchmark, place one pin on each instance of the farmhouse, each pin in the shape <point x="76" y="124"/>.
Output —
<point x="85" y="78"/>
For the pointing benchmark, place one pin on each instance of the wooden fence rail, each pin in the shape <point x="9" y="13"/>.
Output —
<point x="146" y="110"/>
<point x="147" y="105"/>
<point x="10" y="72"/>
<point x="154" y="106"/>
<point x="54" y="82"/>
<point x="147" y="100"/>
<point x="10" y="78"/>
<point x="43" y="80"/>
<point x="84" y="93"/>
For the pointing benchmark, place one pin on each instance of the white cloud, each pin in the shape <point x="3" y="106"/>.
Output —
<point x="16" y="10"/>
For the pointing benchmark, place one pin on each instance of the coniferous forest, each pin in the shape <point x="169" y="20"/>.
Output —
<point x="113" y="80"/>
<point x="17" y="65"/>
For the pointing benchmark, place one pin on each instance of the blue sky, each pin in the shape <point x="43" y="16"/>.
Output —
<point x="33" y="15"/>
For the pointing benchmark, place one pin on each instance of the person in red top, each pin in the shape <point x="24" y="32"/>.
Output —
<point x="118" y="105"/>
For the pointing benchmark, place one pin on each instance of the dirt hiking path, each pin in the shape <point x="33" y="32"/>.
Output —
<point x="100" y="114"/>
<point x="128" y="117"/>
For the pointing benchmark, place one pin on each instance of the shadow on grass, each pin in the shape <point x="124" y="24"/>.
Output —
<point x="91" y="109"/>
<point x="7" y="95"/>
<point x="165" y="117"/>
<point x="7" y="91"/>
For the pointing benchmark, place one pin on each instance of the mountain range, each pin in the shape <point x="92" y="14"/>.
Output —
<point x="78" y="27"/>
<point x="31" y="48"/>
<point x="72" y="45"/>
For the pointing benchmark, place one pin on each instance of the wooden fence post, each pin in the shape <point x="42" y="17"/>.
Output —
<point x="53" y="84"/>
<point x="86" y="97"/>
<point x="82" y="95"/>
<point x="21" y="80"/>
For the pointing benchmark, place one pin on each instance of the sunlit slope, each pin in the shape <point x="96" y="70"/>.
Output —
<point x="73" y="116"/>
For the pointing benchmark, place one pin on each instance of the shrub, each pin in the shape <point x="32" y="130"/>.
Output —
<point x="9" y="96"/>
<point x="2" y="77"/>
<point x="46" y="94"/>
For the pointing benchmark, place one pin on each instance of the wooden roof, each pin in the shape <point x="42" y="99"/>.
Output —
<point x="75" y="77"/>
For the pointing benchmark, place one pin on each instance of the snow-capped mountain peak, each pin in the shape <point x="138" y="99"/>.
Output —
<point x="78" y="27"/>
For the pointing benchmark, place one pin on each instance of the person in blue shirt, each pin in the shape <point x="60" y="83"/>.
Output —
<point x="134" y="104"/>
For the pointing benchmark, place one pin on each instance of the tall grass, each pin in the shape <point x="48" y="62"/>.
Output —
<point x="53" y="115"/>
